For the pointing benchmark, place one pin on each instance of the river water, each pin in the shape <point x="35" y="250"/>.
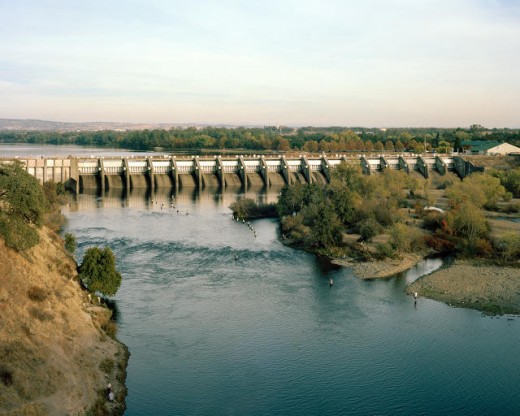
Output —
<point x="220" y="322"/>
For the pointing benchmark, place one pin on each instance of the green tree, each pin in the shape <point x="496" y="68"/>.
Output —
<point x="22" y="207"/>
<point x="98" y="271"/>
<point x="21" y="195"/>
<point x="326" y="230"/>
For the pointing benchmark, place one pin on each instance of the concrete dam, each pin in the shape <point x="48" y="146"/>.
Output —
<point x="178" y="172"/>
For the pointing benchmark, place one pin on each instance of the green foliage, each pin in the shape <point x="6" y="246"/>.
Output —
<point x="404" y="238"/>
<point x="480" y="189"/>
<point x="468" y="221"/>
<point x="70" y="243"/>
<point x="247" y="209"/>
<point x="510" y="179"/>
<point x="326" y="229"/>
<point x="55" y="193"/>
<point x="17" y="233"/>
<point x="98" y="271"/>
<point x="21" y="195"/>
<point x="368" y="228"/>
<point x="384" y="251"/>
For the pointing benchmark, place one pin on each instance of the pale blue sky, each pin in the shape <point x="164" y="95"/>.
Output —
<point x="293" y="62"/>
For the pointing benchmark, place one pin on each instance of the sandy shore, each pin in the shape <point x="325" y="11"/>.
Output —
<point x="380" y="269"/>
<point x="491" y="289"/>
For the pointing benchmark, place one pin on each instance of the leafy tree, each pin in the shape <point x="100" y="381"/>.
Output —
<point x="98" y="271"/>
<point x="468" y="221"/>
<point x="21" y="195"/>
<point x="326" y="229"/>
<point x="22" y="207"/>
<point x="510" y="179"/>
<point x="480" y="189"/>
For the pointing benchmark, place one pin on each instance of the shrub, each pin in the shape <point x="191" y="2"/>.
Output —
<point x="107" y="365"/>
<point x="40" y="315"/>
<point x="110" y="328"/>
<point x="70" y="243"/>
<point x="368" y="229"/>
<point x="37" y="294"/>
<point x="17" y="234"/>
<point x="433" y="220"/>
<point x="468" y="222"/>
<point x="512" y="208"/>
<point x="384" y="251"/>
<point x="404" y="238"/>
<point x="509" y="246"/>
<point x="6" y="375"/>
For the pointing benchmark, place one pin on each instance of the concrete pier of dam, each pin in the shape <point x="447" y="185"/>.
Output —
<point x="178" y="172"/>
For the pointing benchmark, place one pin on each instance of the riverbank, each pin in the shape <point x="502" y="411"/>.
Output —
<point x="491" y="289"/>
<point x="58" y="350"/>
<point x="380" y="269"/>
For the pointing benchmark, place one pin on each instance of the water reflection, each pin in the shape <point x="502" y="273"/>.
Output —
<point x="169" y="198"/>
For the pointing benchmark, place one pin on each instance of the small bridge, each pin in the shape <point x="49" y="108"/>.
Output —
<point x="104" y="173"/>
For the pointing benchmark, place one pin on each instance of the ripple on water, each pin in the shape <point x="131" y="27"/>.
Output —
<point x="265" y="334"/>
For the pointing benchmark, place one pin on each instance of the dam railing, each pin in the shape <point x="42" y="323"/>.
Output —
<point x="104" y="173"/>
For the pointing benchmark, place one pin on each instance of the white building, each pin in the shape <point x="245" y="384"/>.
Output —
<point x="503" y="149"/>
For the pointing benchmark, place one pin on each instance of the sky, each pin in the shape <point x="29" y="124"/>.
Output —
<point x="372" y="63"/>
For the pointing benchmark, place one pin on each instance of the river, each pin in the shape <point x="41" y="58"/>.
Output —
<point x="220" y="322"/>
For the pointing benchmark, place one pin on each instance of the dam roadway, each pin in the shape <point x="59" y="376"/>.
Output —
<point x="105" y="173"/>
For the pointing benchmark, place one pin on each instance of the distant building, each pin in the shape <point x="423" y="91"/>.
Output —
<point x="490" y="148"/>
<point x="503" y="149"/>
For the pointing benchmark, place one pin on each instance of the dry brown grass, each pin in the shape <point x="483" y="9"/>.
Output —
<point x="50" y="348"/>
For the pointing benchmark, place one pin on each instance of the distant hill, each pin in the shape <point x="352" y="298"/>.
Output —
<point x="46" y="125"/>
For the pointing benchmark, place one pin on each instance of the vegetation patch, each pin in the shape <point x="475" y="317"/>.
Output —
<point x="37" y="293"/>
<point x="6" y="375"/>
<point x="41" y="315"/>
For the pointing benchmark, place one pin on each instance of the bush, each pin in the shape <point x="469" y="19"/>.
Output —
<point x="404" y="238"/>
<point x="107" y="365"/>
<point x="98" y="271"/>
<point x="37" y="294"/>
<point x="433" y="220"/>
<point x="41" y="315"/>
<point x="6" y="375"/>
<point x="512" y="208"/>
<point x="368" y="229"/>
<point x="384" y="251"/>
<point x="70" y="243"/>
<point x="509" y="246"/>
<point x="17" y="234"/>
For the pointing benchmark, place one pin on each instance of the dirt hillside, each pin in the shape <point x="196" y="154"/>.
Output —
<point x="55" y="355"/>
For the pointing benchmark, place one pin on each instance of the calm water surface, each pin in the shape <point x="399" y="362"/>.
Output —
<point x="265" y="334"/>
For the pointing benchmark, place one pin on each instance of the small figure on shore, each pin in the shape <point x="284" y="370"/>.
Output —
<point x="236" y="257"/>
<point x="331" y="282"/>
<point x="415" y="297"/>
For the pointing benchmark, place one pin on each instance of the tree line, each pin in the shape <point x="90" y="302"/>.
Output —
<point x="272" y="139"/>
